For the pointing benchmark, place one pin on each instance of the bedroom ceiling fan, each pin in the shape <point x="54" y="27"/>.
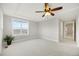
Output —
<point x="48" y="10"/>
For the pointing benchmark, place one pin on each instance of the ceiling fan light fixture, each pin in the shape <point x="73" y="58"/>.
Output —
<point x="48" y="11"/>
<point x="47" y="14"/>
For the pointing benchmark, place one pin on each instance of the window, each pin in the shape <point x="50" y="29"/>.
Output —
<point x="19" y="27"/>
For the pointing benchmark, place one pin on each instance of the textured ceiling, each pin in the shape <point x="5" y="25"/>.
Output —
<point x="27" y="10"/>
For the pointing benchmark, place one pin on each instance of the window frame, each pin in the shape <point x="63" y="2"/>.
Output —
<point x="20" y="20"/>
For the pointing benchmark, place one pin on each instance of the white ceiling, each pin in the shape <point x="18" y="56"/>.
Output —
<point x="27" y="10"/>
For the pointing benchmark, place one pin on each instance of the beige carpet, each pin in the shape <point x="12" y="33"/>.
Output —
<point x="40" y="47"/>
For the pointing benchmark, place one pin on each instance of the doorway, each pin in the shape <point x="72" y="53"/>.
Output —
<point x="67" y="31"/>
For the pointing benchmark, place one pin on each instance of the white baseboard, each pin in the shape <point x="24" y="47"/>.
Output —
<point x="48" y="38"/>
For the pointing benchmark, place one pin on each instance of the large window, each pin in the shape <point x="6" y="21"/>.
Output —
<point x="20" y="27"/>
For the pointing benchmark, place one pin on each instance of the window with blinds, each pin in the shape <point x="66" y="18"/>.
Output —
<point x="20" y="27"/>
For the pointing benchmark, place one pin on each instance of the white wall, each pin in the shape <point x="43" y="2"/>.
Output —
<point x="61" y="30"/>
<point x="8" y="29"/>
<point x="49" y="29"/>
<point x="1" y="29"/>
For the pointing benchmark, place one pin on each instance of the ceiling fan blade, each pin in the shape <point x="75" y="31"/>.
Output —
<point x="43" y="15"/>
<point x="52" y="14"/>
<point x="58" y="8"/>
<point x="39" y="11"/>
